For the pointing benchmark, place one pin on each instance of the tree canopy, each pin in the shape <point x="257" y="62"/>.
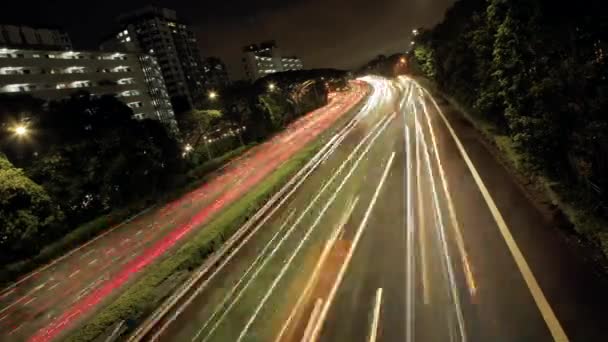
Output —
<point x="537" y="70"/>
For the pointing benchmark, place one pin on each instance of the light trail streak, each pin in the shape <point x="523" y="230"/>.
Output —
<point x="448" y="263"/>
<point x="352" y="249"/>
<point x="311" y="228"/>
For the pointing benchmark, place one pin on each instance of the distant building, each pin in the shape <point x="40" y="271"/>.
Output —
<point x="133" y="78"/>
<point x="216" y="74"/>
<point x="20" y="36"/>
<point x="266" y="58"/>
<point x="157" y="31"/>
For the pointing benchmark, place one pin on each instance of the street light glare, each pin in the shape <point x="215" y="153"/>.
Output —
<point x="212" y="95"/>
<point x="272" y="86"/>
<point x="21" y="130"/>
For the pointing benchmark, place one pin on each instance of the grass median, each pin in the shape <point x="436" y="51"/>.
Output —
<point x="160" y="279"/>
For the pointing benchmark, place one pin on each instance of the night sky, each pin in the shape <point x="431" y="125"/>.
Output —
<point x="324" y="33"/>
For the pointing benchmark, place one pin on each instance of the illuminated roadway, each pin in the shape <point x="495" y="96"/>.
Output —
<point x="51" y="300"/>
<point x="410" y="230"/>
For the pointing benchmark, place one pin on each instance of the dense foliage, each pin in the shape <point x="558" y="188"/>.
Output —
<point x="87" y="156"/>
<point x="26" y="211"/>
<point x="246" y="113"/>
<point x="536" y="70"/>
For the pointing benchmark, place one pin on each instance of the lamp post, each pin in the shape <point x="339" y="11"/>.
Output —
<point x="212" y="95"/>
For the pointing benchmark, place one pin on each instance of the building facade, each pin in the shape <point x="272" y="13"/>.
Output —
<point x="266" y="58"/>
<point x="135" y="79"/>
<point x="157" y="31"/>
<point x="19" y="36"/>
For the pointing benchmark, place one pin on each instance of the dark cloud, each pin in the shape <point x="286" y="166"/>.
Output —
<point x="324" y="33"/>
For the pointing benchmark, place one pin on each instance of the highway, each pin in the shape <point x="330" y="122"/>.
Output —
<point x="409" y="230"/>
<point x="53" y="299"/>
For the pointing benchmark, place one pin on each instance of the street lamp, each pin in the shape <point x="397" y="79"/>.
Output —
<point x="188" y="148"/>
<point x="272" y="86"/>
<point x="20" y="130"/>
<point x="212" y="95"/>
<point x="415" y="32"/>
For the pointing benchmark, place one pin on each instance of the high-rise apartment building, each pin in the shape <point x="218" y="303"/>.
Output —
<point x="25" y="37"/>
<point x="266" y="58"/>
<point x="157" y="31"/>
<point x="133" y="78"/>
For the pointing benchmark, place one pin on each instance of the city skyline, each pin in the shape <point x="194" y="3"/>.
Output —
<point x="320" y="39"/>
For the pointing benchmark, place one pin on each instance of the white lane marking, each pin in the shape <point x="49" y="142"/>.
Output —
<point x="455" y="224"/>
<point x="37" y="288"/>
<point x="92" y="262"/>
<point x="373" y="336"/>
<point x="54" y="286"/>
<point x="138" y="232"/>
<point x="87" y="254"/>
<point x="549" y="316"/>
<point x="15" y="329"/>
<point x="4" y="317"/>
<point x="230" y="295"/>
<point x="125" y="241"/>
<point x="409" y="241"/>
<point x="310" y="230"/>
<point x="314" y="316"/>
<point x="74" y="273"/>
<point x="315" y="161"/>
<point x="446" y="253"/>
<point x="110" y="251"/>
<point x="29" y="301"/>
<point x="352" y="249"/>
<point x="315" y="273"/>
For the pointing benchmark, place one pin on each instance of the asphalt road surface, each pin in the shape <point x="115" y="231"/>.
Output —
<point x="410" y="230"/>
<point x="49" y="301"/>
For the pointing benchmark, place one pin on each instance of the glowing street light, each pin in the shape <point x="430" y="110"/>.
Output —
<point x="272" y="86"/>
<point x="212" y="95"/>
<point x="21" y="130"/>
<point x="402" y="60"/>
<point x="415" y="32"/>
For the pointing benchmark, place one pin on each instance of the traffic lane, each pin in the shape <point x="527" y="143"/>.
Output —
<point x="438" y="310"/>
<point x="501" y="307"/>
<point x="321" y="279"/>
<point x="367" y="175"/>
<point x="379" y="259"/>
<point x="198" y="312"/>
<point x="572" y="285"/>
